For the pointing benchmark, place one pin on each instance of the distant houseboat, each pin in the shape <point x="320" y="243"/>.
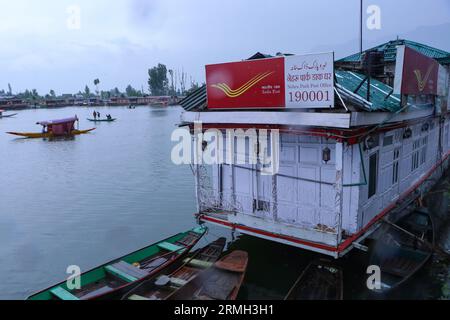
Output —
<point x="119" y="101"/>
<point x="348" y="150"/>
<point x="54" y="103"/>
<point x="13" y="103"/>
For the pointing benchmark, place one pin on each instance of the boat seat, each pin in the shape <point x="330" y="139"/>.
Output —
<point x="137" y="297"/>
<point x="97" y="292"/>
<point x="63" y="294"/>
<point x="169" y="246"/>
<point x="177" y="282"/>
<point x="198" y="263"/>
<point x="154" y="264"/>
<point x="199" y="230"/>
<point x="126" y="271"/>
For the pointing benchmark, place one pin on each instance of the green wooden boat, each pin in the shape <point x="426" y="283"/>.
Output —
<point x="113" y="279"/>
<point x="102" y="120"/>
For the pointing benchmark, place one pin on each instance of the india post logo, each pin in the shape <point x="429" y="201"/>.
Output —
<point x="242" y="89"/>
<point x="422" y="81"/>
<point x="246" y="84"/>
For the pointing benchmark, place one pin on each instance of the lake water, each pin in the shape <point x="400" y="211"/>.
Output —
<point x="96" y="197"/>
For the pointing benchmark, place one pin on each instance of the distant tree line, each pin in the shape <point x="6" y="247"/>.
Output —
<point x="161" y="82"/>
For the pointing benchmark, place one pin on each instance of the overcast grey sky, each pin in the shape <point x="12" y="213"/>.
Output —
<point x="118" y="40"/>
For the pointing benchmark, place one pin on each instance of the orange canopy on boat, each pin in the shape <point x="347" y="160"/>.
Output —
<point x="59" y="121"/>
<point x="59" y="127"/>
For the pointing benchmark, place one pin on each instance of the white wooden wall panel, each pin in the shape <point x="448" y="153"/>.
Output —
<point x="302" y="203"/>
<point x="243" y="187"/>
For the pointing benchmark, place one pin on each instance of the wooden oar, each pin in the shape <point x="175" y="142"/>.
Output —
<point x="407" y="232"/>
<point x="435" y="248"/>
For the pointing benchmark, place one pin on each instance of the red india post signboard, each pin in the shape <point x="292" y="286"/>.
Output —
<point x="249" y="84"/>
<point x="415" y="73"/>
<point x="304" y="81"/>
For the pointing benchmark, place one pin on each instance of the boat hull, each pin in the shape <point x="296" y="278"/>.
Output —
<point x="321" y="280"/>
<point x="102" y="120"/>
<point x="194" y="264"/>
<point x="8" y="115"/>
<point x="110" y="281"/>
<point x="219" y="282"/>
<point x="33" y="135"/>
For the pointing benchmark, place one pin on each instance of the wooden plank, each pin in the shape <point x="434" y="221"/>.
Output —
<point x="130" y="269"/>
<point x="137" y="297"/>
<point x="97" y="292"/>
<point x="198" y="263"/>
<point x="178" y="282"/>
<point x="63" y="294"/>
<point x="169" y="246"/>
<point x="120" y="274"/>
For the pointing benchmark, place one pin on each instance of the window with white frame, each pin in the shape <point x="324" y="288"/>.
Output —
<point x="446" y="132"/>
<point x="388" y="140"/>
<point x="423" y="151"/>
<point x="395" y="165"/>
<point x="415" y="155"/>
<point x="373" y="175"/>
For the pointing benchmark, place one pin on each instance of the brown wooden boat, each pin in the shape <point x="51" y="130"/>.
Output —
<point x="220" y="282"/>
<point x="403" y="249"/>
<point x="321" y="280"/>
<point x="167" y="284"/>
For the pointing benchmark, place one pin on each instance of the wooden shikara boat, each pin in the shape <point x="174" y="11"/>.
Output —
<point x="321" y="280"/>
<point x="403" y="249"/>
<point x="165" y="285"/>
<point x="222" y="281"/>
<point x="113" y="279"/>
<point x="54" y="128"/>
<point x="7" y="115"/>
<point x="102" y="120"/>
<point x="32" y="135"/>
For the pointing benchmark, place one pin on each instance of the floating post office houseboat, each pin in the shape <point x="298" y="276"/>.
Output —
<point x="351" y="141"/>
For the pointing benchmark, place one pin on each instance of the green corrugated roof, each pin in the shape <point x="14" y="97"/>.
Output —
<point x="196" y="100"/>
<point x="390" y="51"/>
<point x="380" y="93"/>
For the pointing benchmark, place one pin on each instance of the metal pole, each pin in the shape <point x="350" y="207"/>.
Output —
<point x="339" y="192"/>
<point x="360" y="27"/>
<point x="369" y="73"/>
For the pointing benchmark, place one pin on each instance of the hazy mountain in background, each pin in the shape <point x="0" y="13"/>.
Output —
<point x="437" y="36"/>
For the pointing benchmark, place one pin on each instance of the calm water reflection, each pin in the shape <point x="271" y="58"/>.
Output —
<point x="96" y="197"/>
